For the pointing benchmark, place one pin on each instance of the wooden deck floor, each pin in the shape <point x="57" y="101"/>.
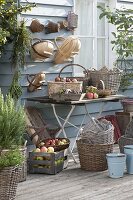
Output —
<point x="75" y="184"/>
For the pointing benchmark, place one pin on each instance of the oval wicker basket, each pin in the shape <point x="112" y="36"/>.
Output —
<point x="58" y="147"/>
<point x="36" y="26"/>
<point x="93" y="157"/>
<point x="42" y="49"/>
<point x="69" y="47"/>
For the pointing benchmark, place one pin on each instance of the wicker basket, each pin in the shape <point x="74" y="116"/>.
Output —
<point x="36" y="26"/>
<point x="126" y="139"/>
<point x="42" y="49"/>
<point x="94" y="132"/>
<point x="111" y="78"/>
<point x="69" y="47"/>
<point x="123" y="140"/>
<point x="55" y="87"/>
<point x="93" y="157"/>
<point x="59" y="147"/>
<point x="9" y="178"/>
<point x="23" y="172"/>
<point x="67" y="97"/>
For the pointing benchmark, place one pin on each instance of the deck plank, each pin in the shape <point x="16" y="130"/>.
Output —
<point x="74" y="183"/>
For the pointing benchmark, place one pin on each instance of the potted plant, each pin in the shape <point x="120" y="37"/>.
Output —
<point x="122" y="43"/>
<point x="12" y="128"/>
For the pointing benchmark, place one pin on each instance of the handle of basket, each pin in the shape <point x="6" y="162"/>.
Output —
<point x="50" y="54"/>
<point x="86" y="72"/>
<point x="58" y="38"/>
<point x="97" y="124"/>
<point x="103" y="85"/>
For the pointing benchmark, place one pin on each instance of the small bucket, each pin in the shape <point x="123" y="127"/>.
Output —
<point x="116" y="164"/>
<point x="128" y="150"/>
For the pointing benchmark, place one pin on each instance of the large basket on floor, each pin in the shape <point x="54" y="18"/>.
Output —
<point x="111" y="78"/>
<point x="93" y="157"/>
<point x="9" y="177"/>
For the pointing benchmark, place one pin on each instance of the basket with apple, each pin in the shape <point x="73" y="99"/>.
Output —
<point x="76" y="84"/>
<point x="46" y="160"/>
<point x="57" y="143"/>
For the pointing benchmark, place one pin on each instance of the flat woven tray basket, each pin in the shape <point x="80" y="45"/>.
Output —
<point x="93" y="157"/>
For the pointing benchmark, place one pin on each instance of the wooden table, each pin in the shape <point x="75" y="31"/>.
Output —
<point x="73" y="104"/>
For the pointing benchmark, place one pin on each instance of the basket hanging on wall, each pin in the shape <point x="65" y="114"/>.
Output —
<point x="36" y="81"/>
<point x="68" y="49"/>
<point x="36" y="26"/>
<point x="42" y="49"/>
<point x="72" y="19"/>
<point x="52" y="27"/>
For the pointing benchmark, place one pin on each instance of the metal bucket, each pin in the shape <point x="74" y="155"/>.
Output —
<point x="128" y="150"/>
<point x="116" y="164"/>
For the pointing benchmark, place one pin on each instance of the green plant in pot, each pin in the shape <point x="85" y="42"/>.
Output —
<point x="123" y="40"/>
<point x="12" y="128"/>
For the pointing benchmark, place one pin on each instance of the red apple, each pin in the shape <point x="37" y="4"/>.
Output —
<point x="95" y="96"/>
<point x="43" y="149"/>
<point x="89" y="95"/>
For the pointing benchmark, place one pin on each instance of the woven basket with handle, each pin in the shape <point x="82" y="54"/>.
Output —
<point x="111" y="78"/>
<point x="93" y="156"/>
<point x="68" y="49"/>
<point x="42" y="49"/>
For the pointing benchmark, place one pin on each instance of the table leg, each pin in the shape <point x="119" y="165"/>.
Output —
<point x="63" y="125"/>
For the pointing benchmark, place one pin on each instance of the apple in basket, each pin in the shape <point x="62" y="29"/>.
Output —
<point x="43" y="149"/>
<point x="50" y="150"/>
<point x="89" y="95"/>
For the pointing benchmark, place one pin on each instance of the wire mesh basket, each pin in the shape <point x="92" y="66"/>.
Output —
<point x="93" y="156"/>
<point x="126" y="139"/>
<point x="98" y="132"/>
<point x="111" y="78"/>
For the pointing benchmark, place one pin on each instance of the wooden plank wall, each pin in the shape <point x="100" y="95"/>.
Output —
<point x="48" y="10"/>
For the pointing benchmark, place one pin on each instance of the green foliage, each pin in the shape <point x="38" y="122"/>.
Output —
<point x="8" y="19"/>
<point x="15" y="89"/>
<point x="10" y="158"/>
<point x="123" y="38"/>
<point x="12" y="122"/>
<point x="22" y="44"/>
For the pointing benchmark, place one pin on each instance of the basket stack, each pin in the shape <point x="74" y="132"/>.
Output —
<point x="97" y="139"/>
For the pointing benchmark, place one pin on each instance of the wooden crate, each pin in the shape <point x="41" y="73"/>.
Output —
<point x="123" y="118"/>
<point x="46" y="163"/>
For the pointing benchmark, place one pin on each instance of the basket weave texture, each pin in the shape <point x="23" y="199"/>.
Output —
<point x="93" y="157"/>
<point x="69" y="47"/>
<point x="98" y="132"/>
<point x="111" y="78"/>
<point x="126" y="139"/>
<point x="9" y="178"/>
<point x="23" y="172"/>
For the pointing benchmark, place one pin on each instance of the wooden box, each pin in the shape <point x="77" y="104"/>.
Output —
<point x="46" y="163"/>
